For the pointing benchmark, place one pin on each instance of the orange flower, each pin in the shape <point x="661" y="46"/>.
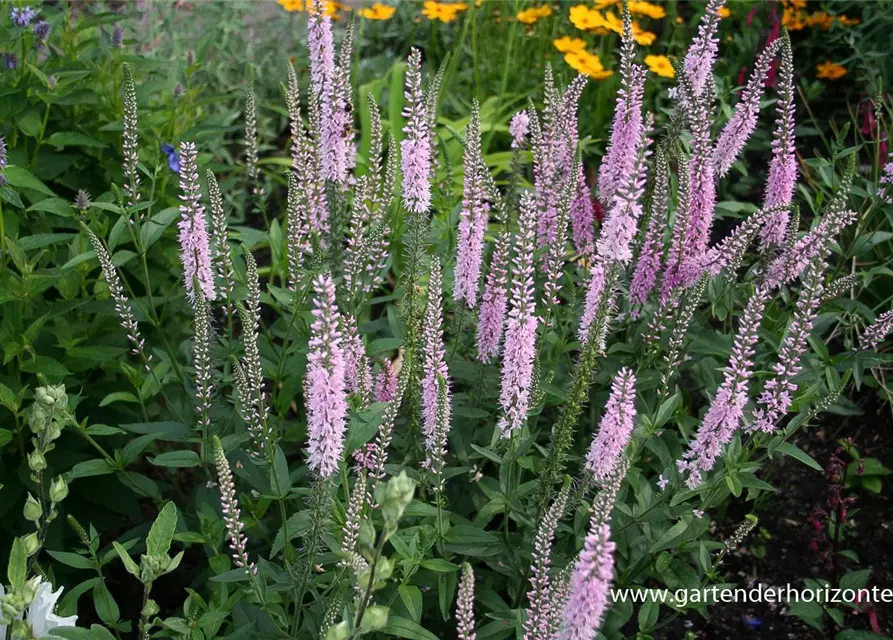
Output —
<point x="820" y="19"/>
<point x="793" y="19"/>
<point x="534" y="14"/>
<point x="568" y="44"/>
<point x="831" y="70"/>
<point x="377" y="11"/>
<point x="292" y="5"/>
<point x="661" y="66"/>
<point x="724" y="12"/>
<point x="847" y="21"/>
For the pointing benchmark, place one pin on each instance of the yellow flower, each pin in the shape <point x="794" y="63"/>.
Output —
<point x="644" y="38"/>
<point x="724" y="12"/>
<point x="647" y="9"/>
<point x="613" y="23"/>
<point x="831" y="70"/>
<point x="604" y="4"/>
<point x="661" y="66"/>
<point x="568" y="44"/>
<point x="588" y="64"/>
<point x="377" y="11"/>
<point x="292" y="5"/>
<point x="585" y="18"/>
<point x="534" y="14"/>
<point x="443" y="11"/>
<point x="847" y="21"/>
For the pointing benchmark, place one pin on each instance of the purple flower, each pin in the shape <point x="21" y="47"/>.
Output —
<point x="232" y="516"/>
<point x="777" y="398"/>
<point x="491" y="319"/>
<point x="520" y="333"/>
<point x="357" y="371"/>
<point x="195" y="245"/>
<point x="594" y="293"/>
<point x="615" y="429"/>
<point x="173" y="158"/>
<point x="701" y="54"/>
<point x="651" y="253"/>
<point x="519" y="128"/>
<point x="11" y="60"/>
<point x="22" y="17"/>
<point x="465" y="605"/>
<point x="4" y="159"/>
<point x="472" y="218"/>
<point x="627" y="127"/>
<point x="117" y="36"/>
<point x="434" y="367"/>
<point x="887" y="180"/>
<point x="590" y="585"/>
<point x="582" y="215"/>
<point x="416" y="147"/>
<point x="783" y="168"/>
<point x="875" y="333"/>
<point x="41" y="30"/>
<point x="539" y="612"/>
<point x="724" y="415"/>
<point x="325" y="395"/>
<point x="742" y="124"/>
<point x="385" y="382"/>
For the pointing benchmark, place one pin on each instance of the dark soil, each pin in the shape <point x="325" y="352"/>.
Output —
<point x="784" y="554"/>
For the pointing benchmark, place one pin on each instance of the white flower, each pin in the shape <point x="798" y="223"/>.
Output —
<point x="662" y="482"/>
<point x="40" y="614"/>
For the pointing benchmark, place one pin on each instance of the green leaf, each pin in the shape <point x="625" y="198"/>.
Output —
<point x="105" y="604"/>
<point x="797" y="453"/>
<point x="155" y="226"/>
<point x="74" y="560"/>
<point x="51" y="368"/>
<point x="280" y="482"/>
<point x="177" y="459"/>
<point x="129" y="564"/>
<point x="89" y="468"/>
<point x="403" y="628"/>
<point x="439" y="565"/>
<point x="158" y="542"/>
<point x="670" y="535"/>
<point x="118" y="396"/>
<point x="74" y="139"/>
<point x="24" y="179"/>
<point x="17" y="569"/>
<point x="411" y="597"/>
<point x="57" y="206"/>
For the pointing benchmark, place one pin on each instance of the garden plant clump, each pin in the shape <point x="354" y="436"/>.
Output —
<point x="323" y="358"/>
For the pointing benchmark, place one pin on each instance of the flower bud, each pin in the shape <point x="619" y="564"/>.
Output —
<point x="32" y="543"/>
<point x="58" y="490"/>
<point x="32" y="510"/>
<point x="38" y="418"/>
<point x="395" y="497"/>
<point x="42" y="396"/>
<point x="36" y="461"/>
<point x="338" y="631"/>
<point x="375" y="618"/>
<point x="150" y="609"/>
<point x="51" y="82"/>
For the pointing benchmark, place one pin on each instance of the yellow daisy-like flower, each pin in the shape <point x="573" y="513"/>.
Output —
<point x="647" y="9"/>
<point x="661" y="66"/>
<point x="443" y="11"/>
<point x="291" y="5"/>
<point x="588" y="64"/>
<point x="831" y="70"/>
<point x="585" y="18"/>
<point x="534" y="14"/>
<point x="644" y="38"/>
<point x="568" y="44"/>
<point x="377" y="11"/>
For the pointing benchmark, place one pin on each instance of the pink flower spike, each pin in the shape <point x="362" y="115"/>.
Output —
<point x="473" y="217"/>
<point x="434" y="367"/>
<point x="582" y="217"/>
<point x="195" y="245"/>
<point x="520" y="333"/>
<point x="615" y="429"/>
<point x="491" y="319"/>
<point x="590" y="585"/>
<point x="519" y="128"/>
<point x="325" y="395"/>
<point x="416" y="147"/>
<point x="701" y="54"/>
<point x="385" y="382"/>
